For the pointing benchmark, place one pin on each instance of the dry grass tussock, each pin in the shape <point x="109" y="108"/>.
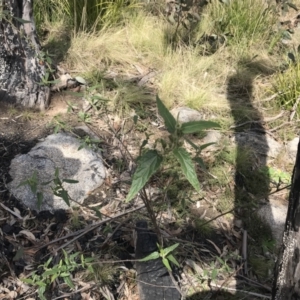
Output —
<point x="184" y="76"/>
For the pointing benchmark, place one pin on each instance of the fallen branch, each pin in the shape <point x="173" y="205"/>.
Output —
<point x="89" y="228"/>
<point x="239" y="291"/>
<point x="265" y="120"/>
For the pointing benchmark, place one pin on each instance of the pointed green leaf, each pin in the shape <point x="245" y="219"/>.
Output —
<point x="48" y="262"/>
<point x="56" y="174"/>
<point x="214" y="274"/>
<point x="166" y="263"/>
<point x="172" y="259"/>
<point x="46" y="183"/>
<point x="33" y="187"/>
<point x="205" y="146"/>
<point x="22" y="183"/>
<point x="97" y="211"/>
<point x="221" y="261"/>
<point x="80" y="80"/>
<point x="28" y="280"/>
<point x="169" y="120"/>
<point x="187" y="167"/>
<point x="200" y="162"/>
<point x="69" y="282"/>
<point x="22" y="20"/>
<point x="40" y="198"/>
<point x="65" y="197"/>
<point x="49" y="272"/>
<point x="168" y="250"/>
<point x="197" y="126"/>
<point x="192" y="144"/>
<point x="153" y="255"/>
<point x="148" y="164"/>
<point x="56" y="129"/>
<point x="41" y="291"/>
<point x="40" y="283"/>
<point x="53" y="277"/>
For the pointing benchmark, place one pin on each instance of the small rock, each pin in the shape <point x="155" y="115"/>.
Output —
<point x="238" y="223"/>
<point x="211" y="137"/>
<point x="274" y="214"/>
<point x="84" y="130"/>
<point x="186" y="114"/>
<point x="259" y="143"/>
<point x="292" y="148"/>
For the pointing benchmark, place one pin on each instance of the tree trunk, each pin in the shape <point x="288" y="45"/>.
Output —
<point x="287" y="271"/>
<point x="21" y="70"/>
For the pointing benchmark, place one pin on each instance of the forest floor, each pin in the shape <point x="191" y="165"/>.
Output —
<point x="93" y="258"/>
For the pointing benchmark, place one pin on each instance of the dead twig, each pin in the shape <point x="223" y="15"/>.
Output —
<point x="218" y="216"/>
<point x="244" y="251"/>
<point x="255" y="283"/>
<point x="281" y="189"/>
<point x="111" y="235"/>
<point x="240" y="291"/>
<point x="175" y="283"/>
<point x="11" y="211"/>
<point x="89" y="228"/>
<point x="68" y="295"/>
<point x="265" y="120"/>
<point x="294" y="109"/>
<point x="282" y="125"/>
<point x="267" y="99"/>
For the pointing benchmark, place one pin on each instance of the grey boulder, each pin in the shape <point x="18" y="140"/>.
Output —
<point x="56" y="151"/>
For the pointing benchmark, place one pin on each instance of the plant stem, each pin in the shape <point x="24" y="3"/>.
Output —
<point x="151" y="213"/>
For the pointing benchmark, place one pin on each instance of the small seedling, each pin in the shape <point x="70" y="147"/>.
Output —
<point x="165" y="255"/>
<point x="90" y="143"/>
<point x="151" y="160"/>
<point x="63" y="270"/>
<point x="84" y="117"/>
<point x="58" y="124"/>
<point x="58" y="189"/>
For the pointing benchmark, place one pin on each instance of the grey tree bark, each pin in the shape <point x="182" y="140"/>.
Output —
<point x="287" y="271"/>
<point x="21" y="70"/>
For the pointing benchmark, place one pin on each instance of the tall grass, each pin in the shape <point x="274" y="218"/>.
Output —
<point x="84" y="15"/>
<point x="287" y="86"/>
<point x="184" y="77"/>
<point x="242" y="21"/>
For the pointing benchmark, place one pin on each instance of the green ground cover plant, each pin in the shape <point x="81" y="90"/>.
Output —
<point x="62" y="270"/>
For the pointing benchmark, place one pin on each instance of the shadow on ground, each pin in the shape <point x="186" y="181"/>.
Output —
<point x="251" y="185"/>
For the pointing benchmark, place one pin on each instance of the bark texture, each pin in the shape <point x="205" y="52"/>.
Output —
<point x="287" y="270"/>
<point x="21" y="70"/>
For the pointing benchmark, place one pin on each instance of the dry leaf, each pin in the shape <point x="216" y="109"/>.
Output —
<point x="28" y="234"/>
